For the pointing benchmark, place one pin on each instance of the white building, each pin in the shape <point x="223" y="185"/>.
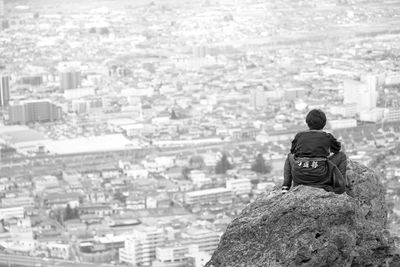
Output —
<point x="79" y="93"/>
<point x="392" y="114"/>
<point x="208" y="195"/>
<point x="368" y="96"/>
<point x="257" y="98"/>
<point x="15" y="212"/>
<point x="58" y="250"/>
<point x="199" y="178"/>
<point x="44" y="182"/>
<point x="340" y="124"/>
<point x="140" y="247"/>
<point x="200" y="259"/>
<point x="20" y="201"/>
<point x="174" y="255"/>
<point x="207" y="240"/>
<point x="363" y="93"/>
<point x="392" y="79"/>
<point x="350" y="91"/>
<point x="344" y="110"/>
<point x="136" y="172"/>
<point x="373" y="115"/>
<point x="239" y="186"/>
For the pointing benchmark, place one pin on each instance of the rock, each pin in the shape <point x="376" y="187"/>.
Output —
<point x="312" y="227"/>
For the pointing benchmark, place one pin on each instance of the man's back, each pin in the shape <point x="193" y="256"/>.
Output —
<point x="314" y="143"/>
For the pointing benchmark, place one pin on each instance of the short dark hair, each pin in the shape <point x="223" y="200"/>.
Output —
<point x="316" y="119"/>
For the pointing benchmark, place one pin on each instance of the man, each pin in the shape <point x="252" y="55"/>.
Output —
<point x="315" y="158"/>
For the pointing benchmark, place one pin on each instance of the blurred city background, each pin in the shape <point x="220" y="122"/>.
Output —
<point x="133" y="132"/>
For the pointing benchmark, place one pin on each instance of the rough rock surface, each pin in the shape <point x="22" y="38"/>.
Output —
<point x="312" y="227"/>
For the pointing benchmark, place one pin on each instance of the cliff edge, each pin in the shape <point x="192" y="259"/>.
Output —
<point x="311" y="227"/>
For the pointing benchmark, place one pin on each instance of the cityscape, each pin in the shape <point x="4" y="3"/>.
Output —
<point x="133" y="132"/>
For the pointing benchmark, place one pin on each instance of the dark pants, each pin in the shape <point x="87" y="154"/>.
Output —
<point x="339" y="159"/>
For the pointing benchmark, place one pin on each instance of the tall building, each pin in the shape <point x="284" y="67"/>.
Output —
<point x="368" y="97"/>
<point x="257" y="98"/>
<point x="31" y="111"/>
<point x="4" y="90"/>
<point x="350" y="91"/>
<point x="363" y="93"/>
<point x="70" y="79"/>
<point x="2" y="8"/>
<point x="200" y="51"/>
<point x="140" y="248"/>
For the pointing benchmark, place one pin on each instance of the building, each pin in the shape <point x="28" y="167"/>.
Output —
<point x="257" y="98"/>
<point x="350" y="91"/>
<point x="372" y="115"/>
<point x="293" y="94"/>
<point x="344" y="110"/>
<point x="207" y="240"/>
<point x="34" y="80"/>
<point x="392" y="114"/>
<point x="363" y="93"/>
<point x="43" y="183"/>
<point x="79" y="106"/>
<point x="392" y="79"/>
<point x="208" y="196"/>
<point x="14" y="212"/>
<point x="239" y="186"/>
<point x="368" y="96"/>
<point x="140" y="247"/>
<point x="174" y="255"/>
<point x="340" y="124"/>
<point x="31" y="111"/>
<point x="70" y="79"/>
<point x="199" y="259"/>
<point x="61" y="200"/>
<point x="69" y="75"/>
<point x="199" y="178"/>
<point x="79" y="93"/>
<point x="59" y="250"/>
<point x="2" y="9"/>
<point x="200" y="51"/>
<point x="20" y="201"/>
<point x="4" y="88"/>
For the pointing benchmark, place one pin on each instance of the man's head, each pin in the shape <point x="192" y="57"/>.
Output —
<point x="316" y="119"/>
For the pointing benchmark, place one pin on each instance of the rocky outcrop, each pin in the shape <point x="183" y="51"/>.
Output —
<point x="312" y="227"/>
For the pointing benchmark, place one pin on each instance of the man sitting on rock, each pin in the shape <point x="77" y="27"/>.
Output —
<point x="315" y="158"/>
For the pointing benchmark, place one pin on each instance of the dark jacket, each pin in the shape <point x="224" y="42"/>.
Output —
<point x="314" y="144"/>
<point x="308" y="163"/>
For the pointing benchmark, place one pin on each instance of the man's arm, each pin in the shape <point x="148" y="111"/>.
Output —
<point x="335" y="145"/>
<point x="287" y="169"/>
<point x="287" y="175"/>
<point x="294" y="143"/>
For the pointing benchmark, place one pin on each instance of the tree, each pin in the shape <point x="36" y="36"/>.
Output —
<point x="173" y="115"/>
<point x="75" y="212"/>
<point x="120" y="197"/>
<point x="223" y="165"/>
<point x="196" y="162"/>
<point x="259" y="166"/>
<point x="68" y="213"/>
<point x="104" y="31"/>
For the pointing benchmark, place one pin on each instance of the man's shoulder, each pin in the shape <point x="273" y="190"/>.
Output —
<point x="313" y="132"/>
